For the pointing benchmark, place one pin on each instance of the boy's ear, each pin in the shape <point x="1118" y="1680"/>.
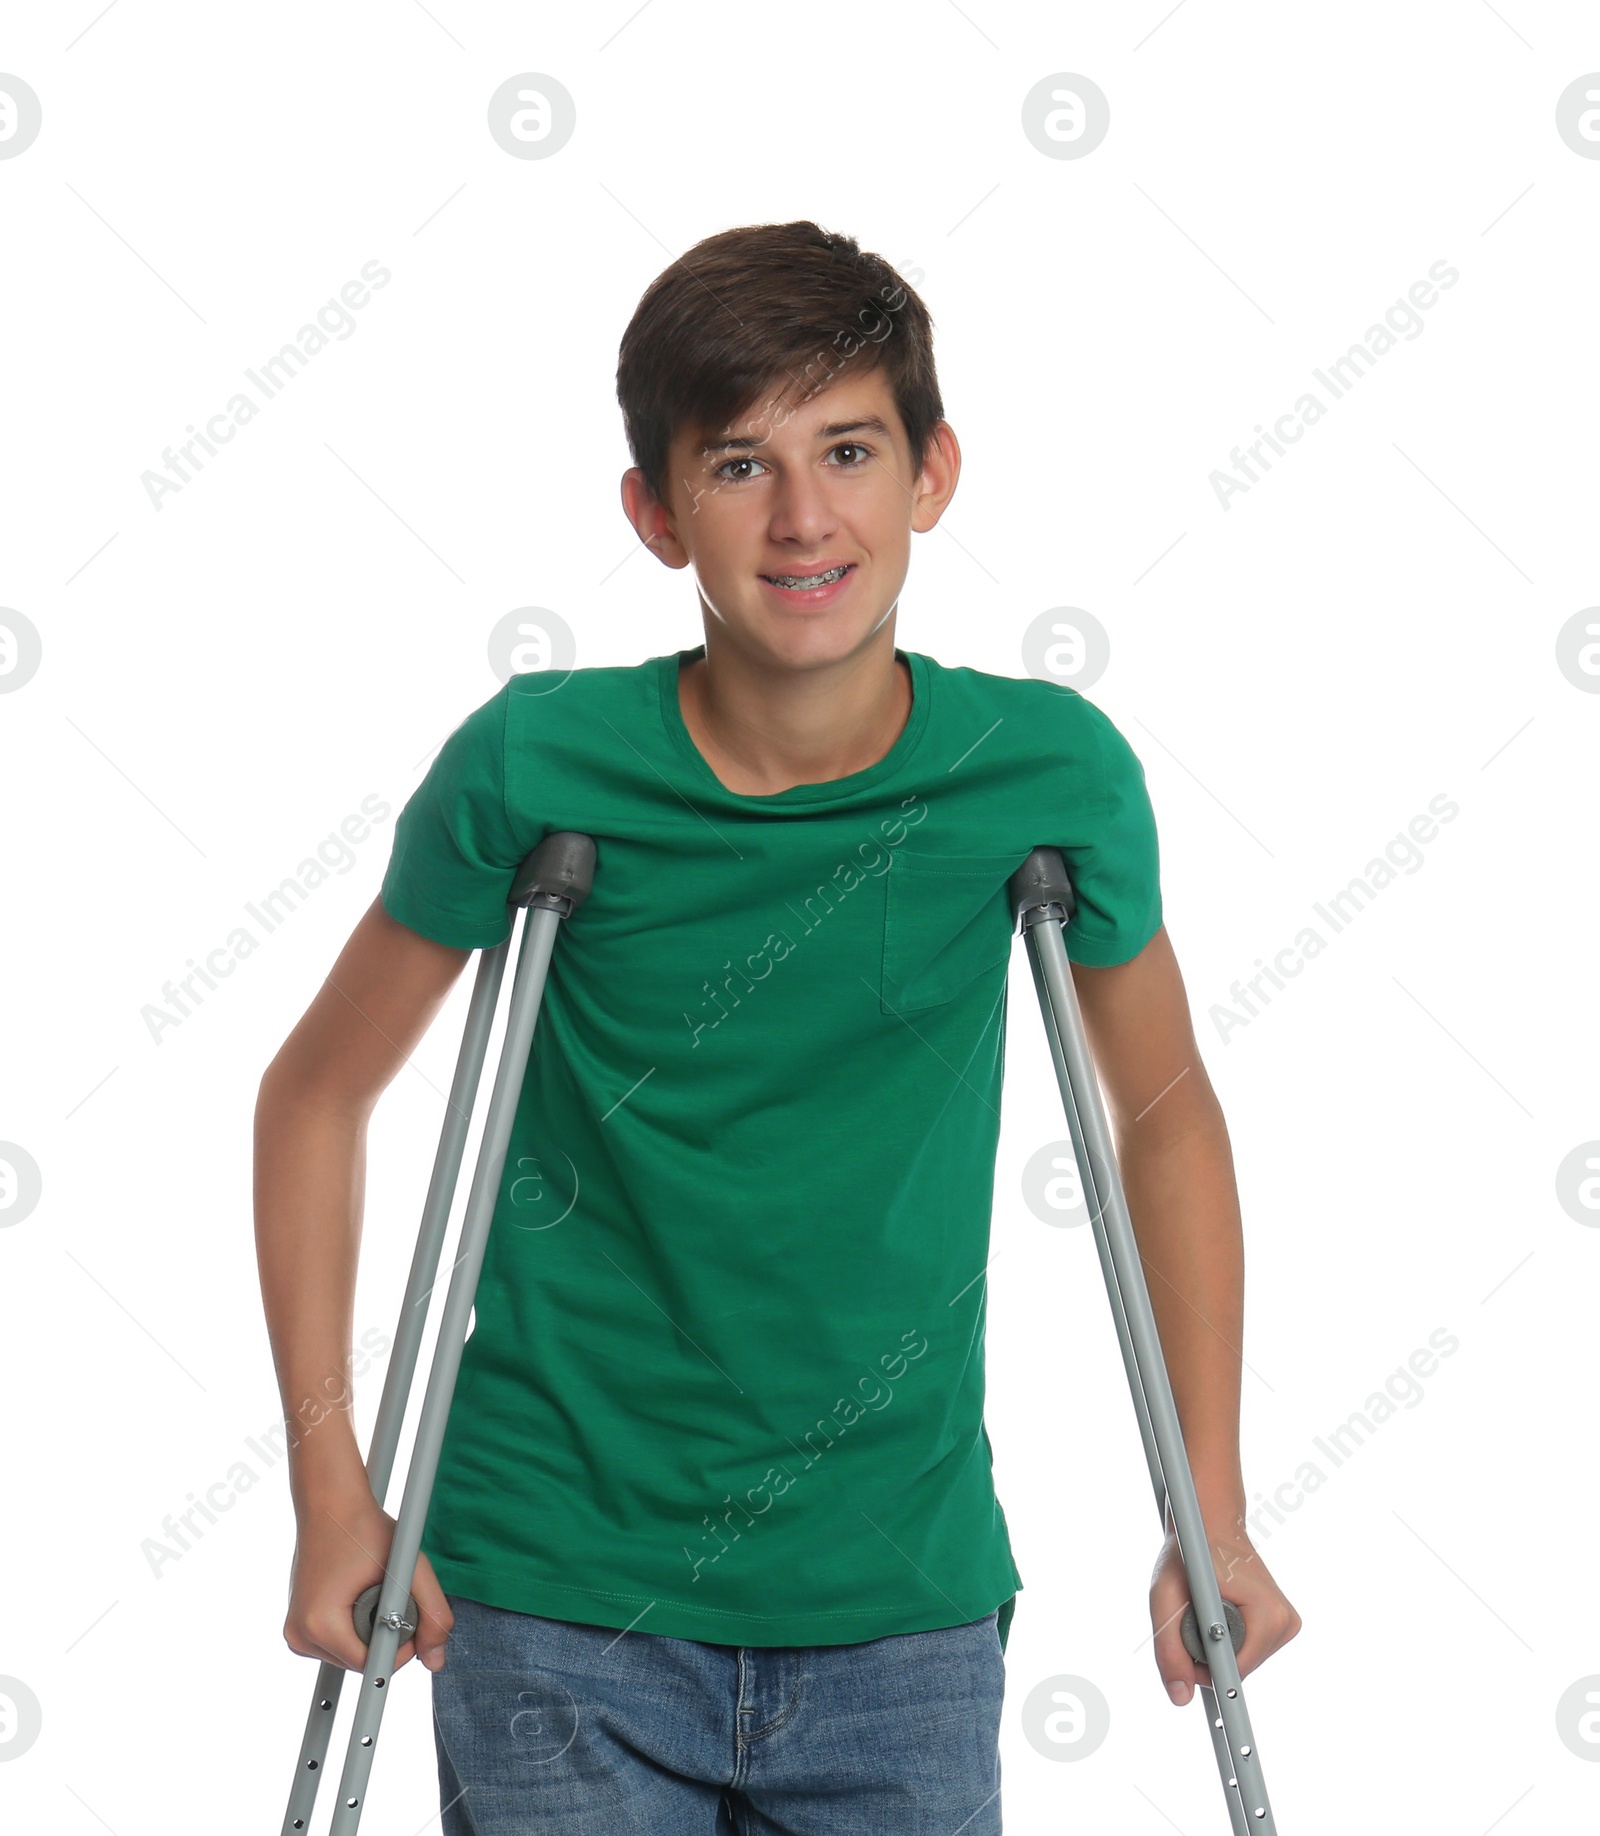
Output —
<point x="650" y="519"/>
<point x="936" y="481"/>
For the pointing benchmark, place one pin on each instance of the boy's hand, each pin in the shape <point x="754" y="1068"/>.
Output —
<point x="1269" y="1619"/>
<point x="342" y="1547"/>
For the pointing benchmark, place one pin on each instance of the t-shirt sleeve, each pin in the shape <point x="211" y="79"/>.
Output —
<point x="455" y="850"/>
<point x="1116" y="873"/>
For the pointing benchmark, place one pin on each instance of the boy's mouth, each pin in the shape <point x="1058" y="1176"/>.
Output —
<point x="810" y="581"/>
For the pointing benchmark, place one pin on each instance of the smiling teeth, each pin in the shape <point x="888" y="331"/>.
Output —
<point x="808" y="580"/>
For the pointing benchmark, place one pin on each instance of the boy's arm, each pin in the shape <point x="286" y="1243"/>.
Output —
<point x="1177" y="1172"/>
<point x="311" y="1117"/>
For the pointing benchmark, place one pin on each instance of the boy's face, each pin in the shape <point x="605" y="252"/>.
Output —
<point x="792" y="490"/>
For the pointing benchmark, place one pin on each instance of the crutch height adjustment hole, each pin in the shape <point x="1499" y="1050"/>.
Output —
<point x="366" y="1741"/>
<point x="311" y="1765"/>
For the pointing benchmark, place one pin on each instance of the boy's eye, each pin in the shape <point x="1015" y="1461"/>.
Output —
<point x="844" y="446"/>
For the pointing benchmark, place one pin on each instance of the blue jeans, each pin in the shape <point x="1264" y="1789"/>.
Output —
<point x="542" y="1725"/>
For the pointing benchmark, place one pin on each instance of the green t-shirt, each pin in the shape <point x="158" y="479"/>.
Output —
<point x="726" y="1375"/>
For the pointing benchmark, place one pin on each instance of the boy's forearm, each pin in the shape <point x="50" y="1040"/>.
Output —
<point x="1185" y="1209"/>
<point x="310" y="1166"/>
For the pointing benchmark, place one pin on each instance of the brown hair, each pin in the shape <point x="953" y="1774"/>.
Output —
<point x="768" y="306"/>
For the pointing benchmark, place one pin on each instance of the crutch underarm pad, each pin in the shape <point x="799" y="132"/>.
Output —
<point x="562" y="864"/>
<point x="1041" y="880"/>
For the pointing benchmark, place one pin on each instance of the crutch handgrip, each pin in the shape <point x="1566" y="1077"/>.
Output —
<point x="1041" y="882"/>
<point x="367" y="1605"/>
<point x="1190" y="1629"/>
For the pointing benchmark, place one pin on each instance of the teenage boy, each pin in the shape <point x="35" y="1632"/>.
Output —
<point x="714" y="1538"/>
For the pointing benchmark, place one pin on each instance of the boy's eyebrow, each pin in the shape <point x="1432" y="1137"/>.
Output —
<point x="741" y="442"/>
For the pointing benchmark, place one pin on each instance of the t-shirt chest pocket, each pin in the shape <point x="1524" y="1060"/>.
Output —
<point x="947" y="921"/>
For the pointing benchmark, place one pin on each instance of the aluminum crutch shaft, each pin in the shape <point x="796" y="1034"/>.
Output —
<point x="1042" y="901"/>
<point x="407" y="1342"/>
<point x="1092" y="1200"/>
<point x="553" y="882"/>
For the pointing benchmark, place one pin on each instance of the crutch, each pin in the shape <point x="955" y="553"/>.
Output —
<point x="1042" y="901"/>
<point x="551" y="883"/>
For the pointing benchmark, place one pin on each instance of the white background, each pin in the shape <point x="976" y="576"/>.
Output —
<point x="1373" y="624"/>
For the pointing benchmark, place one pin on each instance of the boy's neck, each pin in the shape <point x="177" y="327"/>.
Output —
<point x="764" y="730"/>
